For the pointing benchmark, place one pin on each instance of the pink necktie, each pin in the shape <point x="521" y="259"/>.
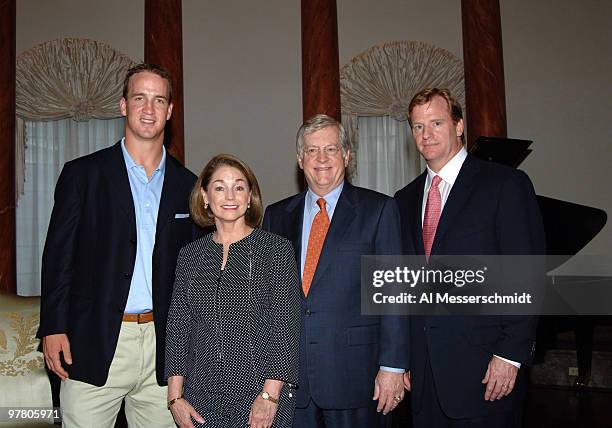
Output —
<point x="432" y="214"/>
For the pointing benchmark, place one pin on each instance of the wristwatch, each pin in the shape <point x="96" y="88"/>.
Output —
<point x="267" y="396"/>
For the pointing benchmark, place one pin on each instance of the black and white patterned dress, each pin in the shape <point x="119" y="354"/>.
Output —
<point x="228" y="331"/>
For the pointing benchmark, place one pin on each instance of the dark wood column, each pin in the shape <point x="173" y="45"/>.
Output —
<point x="485" y="95"/>
<point x="320" y="63"/>
<point x="164" y="47"/>
<point x="7" y="146"/>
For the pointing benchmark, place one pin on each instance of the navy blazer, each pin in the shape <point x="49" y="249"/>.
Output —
<point x="492" y="209"/>
<point x="90" y="253"/>
<point x="341" y="349"/>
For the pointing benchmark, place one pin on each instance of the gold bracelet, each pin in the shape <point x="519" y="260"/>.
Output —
<point x="174" y="400"/>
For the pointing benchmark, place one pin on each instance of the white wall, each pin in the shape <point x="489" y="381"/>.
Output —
<point x="119" y="23"/>
<point x="242" y="77"/>
<point x="243" y="93"/>
<point x="558" y="63"/>
<point x="365" y="23"/>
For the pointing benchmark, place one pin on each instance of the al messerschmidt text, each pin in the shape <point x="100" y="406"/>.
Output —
<point x="446" y="298"/>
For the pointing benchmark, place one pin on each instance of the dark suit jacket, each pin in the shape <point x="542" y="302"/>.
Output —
<point x="341" y="350"/>
<point x="491" y="209"/>
<point x="90" y="253"/>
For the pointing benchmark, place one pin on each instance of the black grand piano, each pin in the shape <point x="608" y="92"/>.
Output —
<point x="569" y="227"/>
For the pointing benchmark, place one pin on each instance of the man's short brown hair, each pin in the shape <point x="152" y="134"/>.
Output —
<point x="204" y="217"/>
<point x="427" y="94"/>
<point x="151" y="68"/>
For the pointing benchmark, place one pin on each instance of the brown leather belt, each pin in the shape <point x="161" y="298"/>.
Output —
<point x="139" y="318"/>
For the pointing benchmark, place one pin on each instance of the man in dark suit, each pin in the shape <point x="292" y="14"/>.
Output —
<point x="120" y="217"/>
<point x="347" y="360"/>
<point x="465" y="370"/>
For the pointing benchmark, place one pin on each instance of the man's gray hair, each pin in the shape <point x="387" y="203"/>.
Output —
<point x="316" y="123"/>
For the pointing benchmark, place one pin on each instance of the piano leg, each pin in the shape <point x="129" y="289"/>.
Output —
<point x="584" y="328"/>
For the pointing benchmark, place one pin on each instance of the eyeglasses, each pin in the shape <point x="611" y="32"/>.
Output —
<point x="313" y="151"/>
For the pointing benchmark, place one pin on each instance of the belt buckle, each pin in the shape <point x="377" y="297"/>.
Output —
<point x="140" y="319"/>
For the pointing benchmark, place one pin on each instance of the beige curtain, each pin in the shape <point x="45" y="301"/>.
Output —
<point x="382" y="80"/>
<point x="66" y="78"/>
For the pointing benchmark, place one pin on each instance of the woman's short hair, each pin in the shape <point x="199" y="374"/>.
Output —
<point x="203" y="217"/>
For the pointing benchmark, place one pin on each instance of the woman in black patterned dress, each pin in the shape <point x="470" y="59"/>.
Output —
<point x="234" y="322"/>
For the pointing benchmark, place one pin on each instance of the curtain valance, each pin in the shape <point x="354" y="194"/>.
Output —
<point x="70" y="78"/>
<point x="382" y="80"/>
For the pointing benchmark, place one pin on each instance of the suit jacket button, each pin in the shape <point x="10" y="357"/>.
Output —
<point x="126" y="275"/>
<point x="133" y="241"/>
<point x="307" y="312"/>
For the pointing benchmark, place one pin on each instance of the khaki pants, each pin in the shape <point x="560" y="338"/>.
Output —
<point x="131" y="376"/>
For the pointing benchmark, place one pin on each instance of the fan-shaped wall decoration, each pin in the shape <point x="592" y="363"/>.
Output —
<point x="382" y="80"/>
<point x="65" y="78"/>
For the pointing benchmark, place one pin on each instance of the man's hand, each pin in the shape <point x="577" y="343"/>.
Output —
<point x="407" y="381"/>
<point x="262" y="413"/>
<point x="499" y="378"/>
<point x="52" y="346"/>
<point x="388" y="390"/>
<point x="182" y="412"/>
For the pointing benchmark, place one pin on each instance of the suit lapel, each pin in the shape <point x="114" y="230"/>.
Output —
<point x="417" y="207"/>
<point x="293" y="224"/>
<point x="118" y="177"/>
<point x="343" y="216"/>
<point x="170" y="199"/>
<point x="457" y="199"/>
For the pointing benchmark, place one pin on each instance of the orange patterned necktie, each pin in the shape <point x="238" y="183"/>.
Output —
<point x="318" y="231"/>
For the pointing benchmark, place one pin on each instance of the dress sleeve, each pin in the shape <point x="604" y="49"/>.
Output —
<point x="178" y="330"/>
<point x="282" y="355"/>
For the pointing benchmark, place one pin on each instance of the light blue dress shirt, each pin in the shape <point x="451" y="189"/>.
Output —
<point x="310" y="211"/>
<point x="146" y="194"/>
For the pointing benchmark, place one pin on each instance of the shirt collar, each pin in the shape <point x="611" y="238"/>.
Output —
<point x="130" y="163"/>
<point x="450" y="171"/>
<point x="331" y="199"/>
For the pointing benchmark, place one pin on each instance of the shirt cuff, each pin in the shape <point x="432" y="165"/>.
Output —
<point x="514" y="363"/>
<point x="392" y="369"/>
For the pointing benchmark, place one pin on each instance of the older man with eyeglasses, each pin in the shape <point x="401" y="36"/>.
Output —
<point x="351" y="365"/>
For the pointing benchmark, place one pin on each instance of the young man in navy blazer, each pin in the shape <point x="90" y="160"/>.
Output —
<point x="466" y="370"/>
<point x="120" y="217"/>
<point x="351" y="365"/>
